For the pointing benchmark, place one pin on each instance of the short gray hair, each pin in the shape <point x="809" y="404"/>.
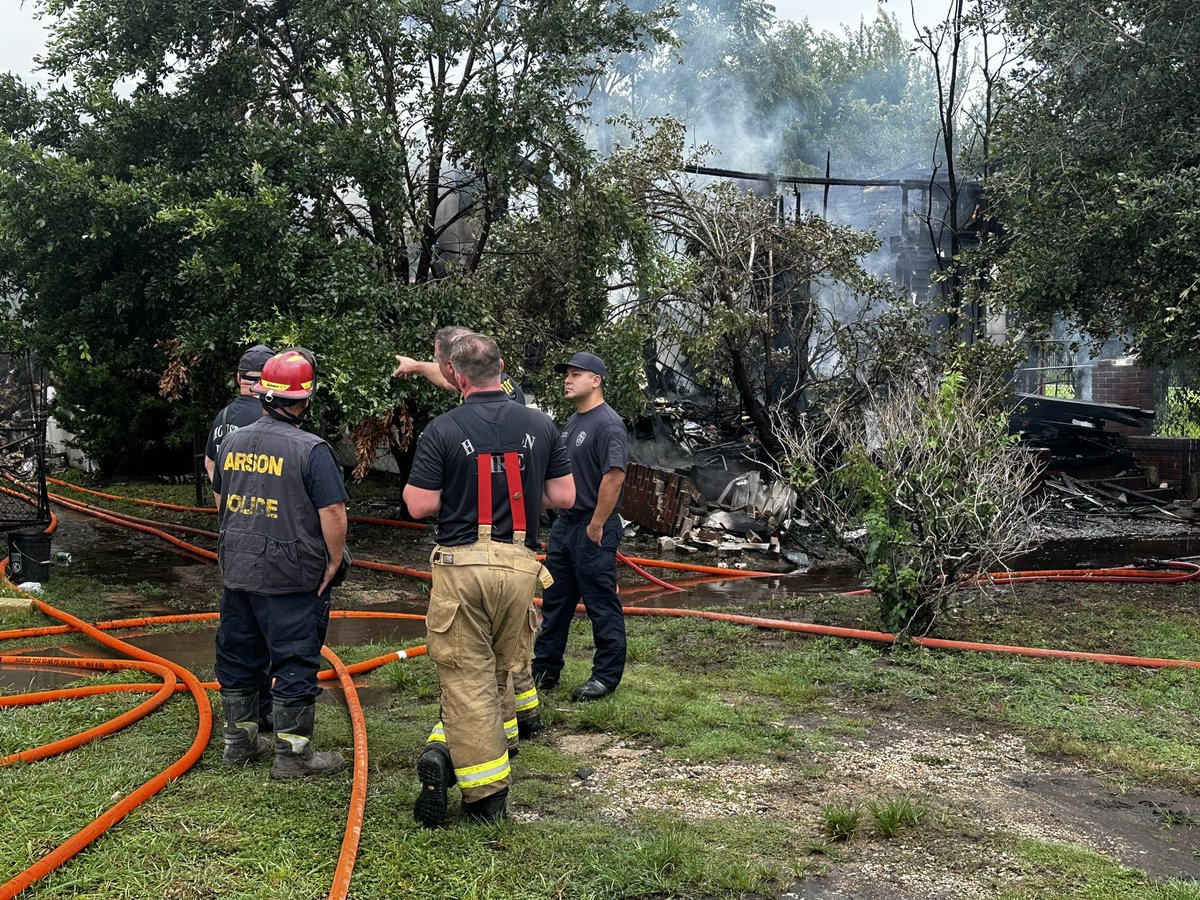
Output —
<point x="445" y="337"/>
<point x="476" y="357"/>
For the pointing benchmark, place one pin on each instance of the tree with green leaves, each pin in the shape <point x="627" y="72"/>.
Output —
<point x="210" y="173"/>
<point x="1099" y="158"/>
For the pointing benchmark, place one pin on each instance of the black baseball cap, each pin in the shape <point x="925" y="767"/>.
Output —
<point x="253" y="360"/>
<point x="589" y="362"/>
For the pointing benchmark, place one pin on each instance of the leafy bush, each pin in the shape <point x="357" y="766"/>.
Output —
<point x="924" y="487"/>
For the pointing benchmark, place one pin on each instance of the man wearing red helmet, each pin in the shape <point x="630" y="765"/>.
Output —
<point x="282" y="504"/>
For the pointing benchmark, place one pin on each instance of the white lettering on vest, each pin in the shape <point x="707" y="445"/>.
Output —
<point x="468" y="447"/>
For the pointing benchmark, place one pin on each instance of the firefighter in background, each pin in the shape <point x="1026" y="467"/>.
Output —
<point x="282" y="505"/>
<point x="440" y="373"/>
<point x="582" y="550"/>
<point x="244" y="410"/>
<point x="486" y="469"/>
<point x="522" y="712"/>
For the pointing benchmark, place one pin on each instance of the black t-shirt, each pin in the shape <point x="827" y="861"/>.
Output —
<point x="241" y="412"/>
<point x="443" y="463"/>
<point x="596" y="441"/>
<point x="512" y="389"/>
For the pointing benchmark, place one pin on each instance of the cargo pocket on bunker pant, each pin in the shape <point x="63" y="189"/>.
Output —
<point x="527" y="570"/>
<point x="441" y="635"/>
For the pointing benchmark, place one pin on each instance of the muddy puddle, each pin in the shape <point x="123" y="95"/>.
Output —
<point x="1084" y="553"/>
<point x="144" y="576"/>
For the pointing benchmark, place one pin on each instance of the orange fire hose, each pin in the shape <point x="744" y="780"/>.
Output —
<point x="73" y="845"/>
<point x="703" y="570"/>
<point x="166" y="526"/>
<point x="164" y="692"/>
<point x="358" y="789"/>
<point x="158" y="504"/>
<point x="653" y="579"/>
<point x="211" y="510"/>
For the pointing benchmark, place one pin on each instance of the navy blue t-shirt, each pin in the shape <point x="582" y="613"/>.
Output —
<point x="444" y="463"/>
<point x="241" y="412"/>
<point x="512" y="389"/>
<point x="323" y="480"/>
<point x="596" y="441"/>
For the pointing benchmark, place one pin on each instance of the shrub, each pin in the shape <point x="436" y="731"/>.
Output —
<point x="924" y="487"/>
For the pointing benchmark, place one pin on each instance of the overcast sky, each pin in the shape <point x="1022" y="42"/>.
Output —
<point x="21" y="38"/>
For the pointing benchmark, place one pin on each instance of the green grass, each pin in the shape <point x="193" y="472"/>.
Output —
<point x="1073" y="873"/>
<point x="890" y="814"/>
<point x="841" y="820"/>
<point x="697" y="693"/>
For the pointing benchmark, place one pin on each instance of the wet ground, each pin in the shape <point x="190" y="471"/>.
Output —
<point x="994" y="776"/>
<point x="142" y="575"/>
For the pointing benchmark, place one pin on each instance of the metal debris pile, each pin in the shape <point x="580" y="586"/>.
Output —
<point x="707" y="509"/>
<point x="1124" y="496"/>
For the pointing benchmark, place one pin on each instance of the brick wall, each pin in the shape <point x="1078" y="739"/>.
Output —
<point x="1128" y="385"/>
<point x="1177" y="460"/>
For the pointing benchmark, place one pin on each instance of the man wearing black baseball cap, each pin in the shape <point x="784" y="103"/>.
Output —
<point x="582" y="550"/>
<point x="244" y="410"/>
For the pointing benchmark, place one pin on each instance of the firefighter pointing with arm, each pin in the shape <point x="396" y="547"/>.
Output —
<point x="440" y="373"/>
<point x="485" y="469"/>
<point x="522" y="712"/>
<point x="282" y="505"/>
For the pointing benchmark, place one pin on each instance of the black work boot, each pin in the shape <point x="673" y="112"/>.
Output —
<point x="437" y="774"/>
<point x="489" y="810"/>
<point x="243" y="743"/>
<point x="529" y="726"/>
<point x="294" y="755"/>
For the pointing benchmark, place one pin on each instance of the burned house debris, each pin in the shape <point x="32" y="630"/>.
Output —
<point x="1099" y="459"/>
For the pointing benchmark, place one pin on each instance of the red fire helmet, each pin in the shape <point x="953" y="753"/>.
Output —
<point x="290" y="374"/>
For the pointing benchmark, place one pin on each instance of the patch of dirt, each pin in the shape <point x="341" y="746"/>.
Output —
<point x="980" y="788"/>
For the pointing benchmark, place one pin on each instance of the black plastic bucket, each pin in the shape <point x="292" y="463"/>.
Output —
<point x="28" y="556"/>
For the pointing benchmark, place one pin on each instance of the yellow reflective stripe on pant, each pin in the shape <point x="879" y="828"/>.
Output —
<point x="438" y="735"/>
<point x="528" y="701"/>
<point x="510" y="729"/>
<point x="485" y="773"/>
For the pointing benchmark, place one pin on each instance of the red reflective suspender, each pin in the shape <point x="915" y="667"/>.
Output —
<point x="516" y="497"/>
<point x="484" y="464"/>
<point x="516" y="494"/>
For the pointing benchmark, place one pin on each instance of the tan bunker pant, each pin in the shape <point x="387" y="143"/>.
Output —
<point x="481" y="625"/>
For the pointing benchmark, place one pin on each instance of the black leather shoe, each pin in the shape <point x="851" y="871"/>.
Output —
<point x="489" y="810"/>
<point x="527" y="728"/>
<point x="591" y="690"/>
<point x="545" y="681"/>
<point x="436" y="774"/>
